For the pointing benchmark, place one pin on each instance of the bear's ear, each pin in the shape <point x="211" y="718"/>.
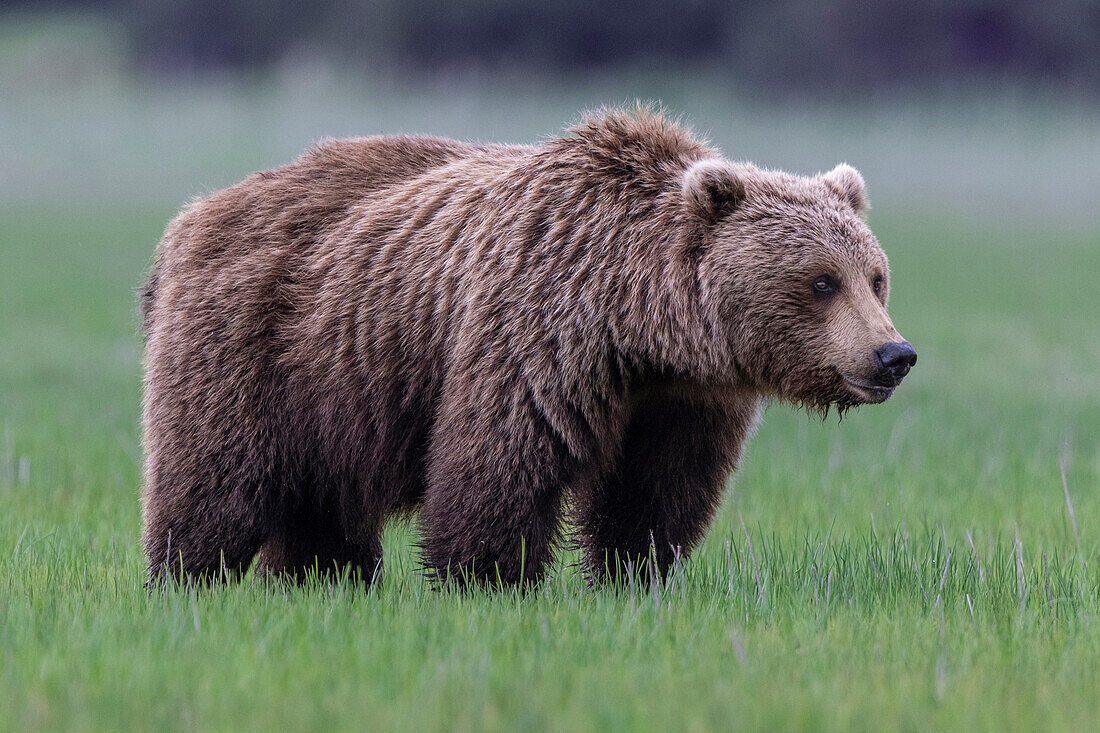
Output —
<point x="847" y="183"/>
<point x="713" y="188"/>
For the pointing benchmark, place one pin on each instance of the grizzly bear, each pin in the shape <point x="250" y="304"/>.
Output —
<point x="493" y="336"/>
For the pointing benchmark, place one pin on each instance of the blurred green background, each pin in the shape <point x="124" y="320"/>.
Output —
<point x="986" y="109"/>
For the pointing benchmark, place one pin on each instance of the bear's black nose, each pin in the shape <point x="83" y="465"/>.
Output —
<point x="893" y="361"/>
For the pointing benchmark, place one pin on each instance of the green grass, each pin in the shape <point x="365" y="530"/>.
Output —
<point x="914" y="566"/>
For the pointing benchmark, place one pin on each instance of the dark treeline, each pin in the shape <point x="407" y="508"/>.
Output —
<point x="773" y="46"/>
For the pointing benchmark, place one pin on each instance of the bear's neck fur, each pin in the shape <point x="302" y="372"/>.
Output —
<point x="622" y="174"/>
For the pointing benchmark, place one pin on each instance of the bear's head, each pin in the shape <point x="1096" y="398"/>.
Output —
<point x="796" y="284"/>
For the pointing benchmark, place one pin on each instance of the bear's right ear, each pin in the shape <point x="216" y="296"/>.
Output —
<point x="712" y="189"/>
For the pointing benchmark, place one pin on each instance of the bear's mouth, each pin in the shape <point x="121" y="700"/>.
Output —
<point x="873" y="393"/>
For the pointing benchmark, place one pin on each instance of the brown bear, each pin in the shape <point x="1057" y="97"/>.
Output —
<point x="491" y="334"/>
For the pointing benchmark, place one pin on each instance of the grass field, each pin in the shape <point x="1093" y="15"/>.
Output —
<point x="914" y="566"/>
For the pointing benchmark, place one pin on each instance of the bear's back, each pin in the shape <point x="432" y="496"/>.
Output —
<point x="257" y="224"/>
<point x="300" y="200"/>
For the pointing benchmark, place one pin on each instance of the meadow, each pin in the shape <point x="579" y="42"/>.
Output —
<point x="933" y="562"/>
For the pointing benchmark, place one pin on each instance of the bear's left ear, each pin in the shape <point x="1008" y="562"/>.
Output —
<point x="713" y="188"/>
<point x="847" y="183"/>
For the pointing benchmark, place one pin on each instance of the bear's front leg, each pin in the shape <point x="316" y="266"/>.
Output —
<point x="660" y="495"/>
<point x="496" y="476"/>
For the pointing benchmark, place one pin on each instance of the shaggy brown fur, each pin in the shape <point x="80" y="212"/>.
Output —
<point x="488" y="333"/>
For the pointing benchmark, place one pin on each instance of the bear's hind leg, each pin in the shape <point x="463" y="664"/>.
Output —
<point x="192" y="532"/>
<point x="661" y="493"/>
<point x="318" y="540"/>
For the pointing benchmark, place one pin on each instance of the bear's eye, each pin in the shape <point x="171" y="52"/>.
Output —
<point x="877" y="285"/>
<point x="825" y="285"/>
